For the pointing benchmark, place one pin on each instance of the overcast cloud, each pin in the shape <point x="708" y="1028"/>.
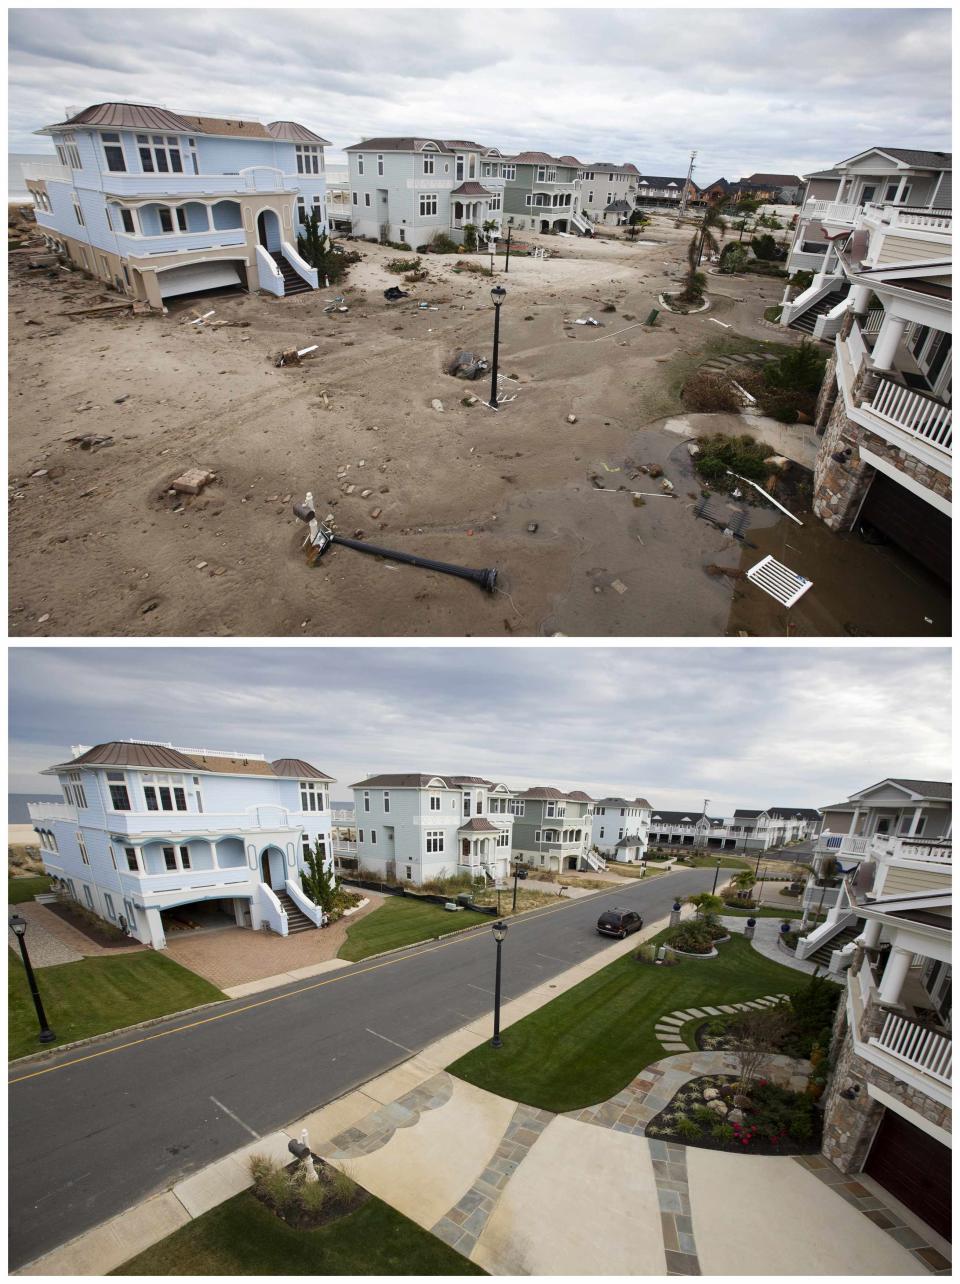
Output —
<point x="782" y="90"/>
<point x="742" y="727"/>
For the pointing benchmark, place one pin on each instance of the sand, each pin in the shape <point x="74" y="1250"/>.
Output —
<point x="99" y="548"/>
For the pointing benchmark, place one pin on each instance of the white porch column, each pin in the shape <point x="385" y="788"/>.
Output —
<point x="894" y="975"/>
<point x="841" y="189"/>
<point x="860" y="299"/>
<point x="212" y="843"/>
<point x="888" y="340"/>
<point x="155" y="927"/>
<point x="918" y="812"/>
<point x="871" y="933"/>
<point x="900" y="190"/>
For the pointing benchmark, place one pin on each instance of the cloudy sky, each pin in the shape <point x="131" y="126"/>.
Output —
<point x="742" y="727"/>
<point x="782" y="90"/>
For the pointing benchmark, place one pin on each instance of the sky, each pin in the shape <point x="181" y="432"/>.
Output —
<point x="769" y="90"/>
<point x="744" y="727"/>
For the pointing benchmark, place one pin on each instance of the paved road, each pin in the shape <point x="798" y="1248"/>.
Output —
<point x="89" y="1137"/>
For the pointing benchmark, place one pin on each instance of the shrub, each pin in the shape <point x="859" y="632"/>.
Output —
<point x="802" y="280"/>
<point x="704" y="1116"/>
<point x="342" y="1186"/>
<point x="767" y="250"/>
<point x="313" y="1196"/>
<point x="470" y="237"/>
<point x="722" y="1131"/>
<point x="800" y="1124"/>
<point x="742" y="455"/>
<point x="691" y="937"/>
<point x="403" y="265"/>
<point x="260" y="1166"/>
<point x="685" y="1127"/>
<point x="733" y="258"/>
<point x="462" y="265"/>
<point x="440" y="243"/>
<point x="705" y="393"/>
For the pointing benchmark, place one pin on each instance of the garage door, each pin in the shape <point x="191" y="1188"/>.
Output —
<point x="197" y="276"/>
<point x="914" y="1168"/>
<point x="918" y="527"/>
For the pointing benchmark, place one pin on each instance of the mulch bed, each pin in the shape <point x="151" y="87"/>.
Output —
<point x="331" y="1211"/>
<point x="99" y="936"/>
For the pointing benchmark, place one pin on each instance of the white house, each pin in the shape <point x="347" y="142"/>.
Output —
<point x="415" y="828"/>
<point x="150" y="836"/>
<point x="616" y="820"/>
<point x="159" y="204"/>
<point x="409" y="189"/>
<point x="882" y="298"/>
<point x="888" y="1107"/>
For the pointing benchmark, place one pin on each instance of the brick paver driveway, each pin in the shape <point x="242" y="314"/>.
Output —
<point x="235" y="955"/>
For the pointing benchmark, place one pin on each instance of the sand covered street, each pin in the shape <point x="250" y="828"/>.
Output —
<point x="98" y="546"/>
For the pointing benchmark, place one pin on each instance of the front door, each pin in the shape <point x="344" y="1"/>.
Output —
<point x="272" y="871"/>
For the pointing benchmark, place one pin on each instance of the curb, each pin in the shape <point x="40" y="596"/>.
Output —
<point x="48" y="1053"/>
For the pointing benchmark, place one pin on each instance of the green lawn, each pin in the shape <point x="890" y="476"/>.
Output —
<point x="94" y="996"/>
<point x="588" y="1044"/>
<point x="25" y="889"/>
<point x="404" y="921"/>
<point x="242" y="1237"/>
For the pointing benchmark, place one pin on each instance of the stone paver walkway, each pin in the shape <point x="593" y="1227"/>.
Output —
<point x="676" y="1217"/>
<point x="668" y="1027"/>
<point x="882" y="1215"/>
<point x="236" y="956"/>
<point x="71" y="943"/>
<point x="463" y="1225"/>
<point x="655" y="1087"/>
<point x="765" y="938"/>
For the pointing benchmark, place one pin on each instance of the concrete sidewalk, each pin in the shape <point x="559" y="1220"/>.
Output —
<point x="469" y="1166"/>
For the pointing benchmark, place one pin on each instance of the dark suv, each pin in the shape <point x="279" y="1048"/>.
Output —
<point x="618" y="922"/>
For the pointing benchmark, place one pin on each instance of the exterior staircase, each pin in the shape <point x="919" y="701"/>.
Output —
<point x="293" y="282"/>
<point x="297" y="921"/>
<point x="821" y="955"/>
<point x="806" y="321"/>
<point x="594" y="861"/>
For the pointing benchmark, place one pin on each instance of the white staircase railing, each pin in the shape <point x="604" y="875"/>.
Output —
<point x="919" y="1047"/>
<point x="304" y="904"/>
<point x="272" y="912"/>
<point x="594" y="860"/>
<point x="268" y="274"/>
<point x="299" y="265"/>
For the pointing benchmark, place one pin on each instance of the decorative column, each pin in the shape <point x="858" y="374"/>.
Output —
<point x="915" y="822"/>
<point x="888" y="340"/>
<point x="895" y="973"/>
<point x="860" y="299"/>
<point x="871" y="933"/>
<point x="901" y="189"/>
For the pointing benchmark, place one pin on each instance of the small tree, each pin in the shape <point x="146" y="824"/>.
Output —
<point x="705" y="904"/>
<point x="744" y="881"/>
<point x="733" y="258"/>
<point x="469" y="237"/>
<point x="317" y="880"/>
<point x="754" y="1038"/>
<point x="636" y="224"/>
<point x="313" y="243"/>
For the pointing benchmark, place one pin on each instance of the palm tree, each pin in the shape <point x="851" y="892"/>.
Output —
<point x="706" y="904"/>
<point x="711" y="222"/>
<point x="744" y="881"/>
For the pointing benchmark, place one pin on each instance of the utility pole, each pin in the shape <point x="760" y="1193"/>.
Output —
<point x="685" y="197"/>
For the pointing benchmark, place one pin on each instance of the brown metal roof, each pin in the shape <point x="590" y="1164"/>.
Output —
<point x="548" y="791"/>
<point x="127" y="116"/>
<point x="298" y="768"/>
<point x="471" y="189"/>
<point x="292" y="132"/>
<point x="120" y="753"/>
<point x="480" y="824"/>
<point x="579" y="795"/>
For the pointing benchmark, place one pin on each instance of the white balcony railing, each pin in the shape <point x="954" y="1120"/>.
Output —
<point x="43" y="169"/>
<point x="257" y="178"/>
<point x="830" y="211"/>
<point x="923" y="1049"/>
<point x="912" y="218"/>
<point x="912" y="412"/>
<point x="912" y="850"/>
<point x="52" y="811"/>
<point x="842" y="844"/>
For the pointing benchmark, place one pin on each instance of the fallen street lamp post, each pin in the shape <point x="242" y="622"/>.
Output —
<point x="321" y="537"/>
<point x="499" y="932"/>
<point x="19" y="926"/>
<point x="498" y="294"/>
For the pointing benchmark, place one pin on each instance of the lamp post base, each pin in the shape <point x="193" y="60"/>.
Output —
<point x="496" y="1043"/>
<point x="47" y="1036"/>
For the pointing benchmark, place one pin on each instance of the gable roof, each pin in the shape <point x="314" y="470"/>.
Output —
<point x="749" y="813"/>
<point x="630" y="840"/>
<point x="417" y="780"/>
<point x="480" y="825"/>
<point x="678" y="817"/>
<point x="149" y="117"/>
<point x="774" y="180"/>
<point x="937" y="790"/>
<point x="662" y="180"/>
<point x="548" y="792"/>
<point x="909" y="156"/>
<point x="471" y="189"/>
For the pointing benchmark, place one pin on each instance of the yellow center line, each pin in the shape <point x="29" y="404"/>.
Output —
<point x="278" y="998"/>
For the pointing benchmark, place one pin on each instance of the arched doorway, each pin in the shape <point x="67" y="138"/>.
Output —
<point x="544" y="225"/>
<point x="268" y="230"/>
<point x="272" y="870"/>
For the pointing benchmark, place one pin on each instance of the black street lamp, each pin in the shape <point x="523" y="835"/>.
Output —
<point x="506" y="265"/>
<point x="19" y="925"/>
<point x="498" y="294"/>
<point x="519" y="872"/>
<point x="499" y="932"/>
<point x="716" y="875"/>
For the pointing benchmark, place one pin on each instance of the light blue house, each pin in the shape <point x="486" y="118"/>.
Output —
<point x="155" y="838"/>
<point x="161" y="204"/>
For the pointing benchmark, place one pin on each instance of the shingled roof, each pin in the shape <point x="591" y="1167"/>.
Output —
<point x="480" y="825"/>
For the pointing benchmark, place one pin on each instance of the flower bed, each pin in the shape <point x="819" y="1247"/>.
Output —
<point x="709" y="1112"/>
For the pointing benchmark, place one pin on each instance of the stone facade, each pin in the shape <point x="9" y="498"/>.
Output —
<point x="840" y="487"/>
<point x="849" y="1126"/>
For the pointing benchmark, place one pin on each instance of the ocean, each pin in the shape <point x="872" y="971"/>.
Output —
<point x="17" y="813"/>
<point x="16" y="183"/>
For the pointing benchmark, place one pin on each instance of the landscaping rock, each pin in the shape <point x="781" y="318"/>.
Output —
<point x="436" y="403"/>
<point x="711" y="1094"/>
<point x="735" y="1117"/>
<point x="717" y="1106"/>
<point x="571" y="419"/>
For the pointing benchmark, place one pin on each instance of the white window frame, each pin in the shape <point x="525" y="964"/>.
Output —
<point x="154" y="783"/>
<point x="366" y="800"/>
<point x="181" y="858"/>
<point x="67" y="151"/>
<point x="509" y="172"/>
<point x="157" y="146"/>
<point x="312" y="796"/>
<point x="78" y="211"/>
<point x="308" y="159"/>
<point x="380" y="163"/>
<point x="428" y="205"/>
<point x="366" y="200"/>
<point x="386" y="800"/>
<point x="84" y="854"/>
<point x="435" y="802"/>
<point x="373" y="837"/>
<point x="113" y="142"/>
<point x="108" y="903"/>
<point x="429" y="163"/>
<point x="503" y="838"/>
<point x="434" y="838"/>
<point x="360" y="164"/>
<point x="118" y="780"/>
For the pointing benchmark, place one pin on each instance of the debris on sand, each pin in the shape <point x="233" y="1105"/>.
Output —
<point x="466" y="365"/>
<point x="192" y="481"/>
<point x="293" y="356"/>
<point x="437" y="404"/>
<point x="587" y="321"/>
<point x="394" y="293"/>
<point x="90" y="441"/>
<point x="730" y="572"/>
